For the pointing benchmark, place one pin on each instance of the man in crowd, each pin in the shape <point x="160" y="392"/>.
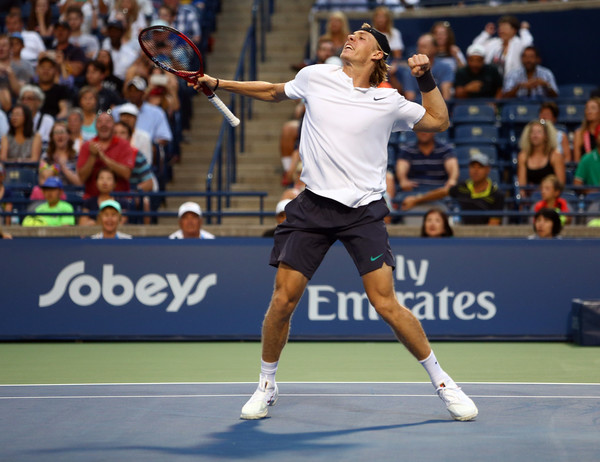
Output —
<point x="530" y="81"/>
<point x="190" y="223"/>
<point x="477" y="79"/>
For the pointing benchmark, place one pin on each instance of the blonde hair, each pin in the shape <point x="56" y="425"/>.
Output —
<point x="551" y="137"/>
<point x="345" y="25"/>
<point x="388" y="16"/>
<point x="380" y="69"/>
<point x="585" y="125"/>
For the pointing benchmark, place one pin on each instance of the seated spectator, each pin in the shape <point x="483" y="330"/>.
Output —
<point x="142" y="179"/>
<point x="111" y="80"/>
<point x="588" y="170"/>
<point x="5" y="196"/>
<point x="162" y="92"/>
<point x="549" y="111"/>
<point x="426" y="164"/>
<point x="33" y="97"/>
<point x="21" y="144"/>
<point x="105" y="150"/>
<point x="152" y="119"/>
<point x="186" y="19"/>
<point x="447" y="50"/>
<point x="436" y="224"/>
<point x="62" y="155"/>
<point x="87" y="42"/>
<point x="88" y="102"/>
<point x="22" y="68"/>
<point x="584" y="139"/>
<point x="442" y="72"/>
<point x="11" y="80"/>
<point x="477" y="79"/>
<point x="45" y="171"/>
<point x="383" y="21"/>
<point x="539" y="157"/>
<point x="279" y="216"/>
<point x="33" y="44"/>
<point x="131" y="15"/>
<point x="505" y="51"/>
<point x="337" y="30"/>
<point x="546" y="225"/>
<point x="52" y="189"/>
<point x="105" y="183"/>
<point x="70" y="58"/>
<point x="325" y="51"/>
<point x="109" y="218"/>
<point x="74" y="126"/>
<point x="57" y="97"/>
<point x="551" y="189"/>
<point x="95" y="75"/>
<point x="190" y="223"/>
<point x="478" y="193"/>
<point x="40" y="20"/>
<point x="530" y="80"/>
<point x="128" y="114"/>
<point x="123" y="54"/>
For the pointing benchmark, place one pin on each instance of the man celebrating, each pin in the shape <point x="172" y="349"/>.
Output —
<point x="343" y="147"/>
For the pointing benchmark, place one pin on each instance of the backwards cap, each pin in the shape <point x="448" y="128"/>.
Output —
<point x="381" y="38"/>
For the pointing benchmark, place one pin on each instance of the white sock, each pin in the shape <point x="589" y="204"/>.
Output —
<point x="437" y="375"/>
<point x="268" y="370"/>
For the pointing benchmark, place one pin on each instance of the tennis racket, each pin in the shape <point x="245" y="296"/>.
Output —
<point x="172" y="51"/>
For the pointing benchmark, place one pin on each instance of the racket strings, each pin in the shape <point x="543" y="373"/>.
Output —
<point x="170" y="51"/>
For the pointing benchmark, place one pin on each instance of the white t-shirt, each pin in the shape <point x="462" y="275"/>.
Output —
<point x="345" y="133"/>
<point x="203" y="235"/>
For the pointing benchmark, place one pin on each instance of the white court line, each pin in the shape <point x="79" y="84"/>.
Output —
<point x="304" y="395"/>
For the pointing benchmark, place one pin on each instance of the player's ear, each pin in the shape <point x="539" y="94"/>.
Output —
<point x="377" y="55"/>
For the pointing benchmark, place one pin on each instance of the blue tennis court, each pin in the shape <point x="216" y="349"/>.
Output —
<point x="311" y="421"/>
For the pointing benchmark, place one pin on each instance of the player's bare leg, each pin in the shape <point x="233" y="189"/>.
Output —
<point x="379" y="286"/>
<point x="289" y="286"/>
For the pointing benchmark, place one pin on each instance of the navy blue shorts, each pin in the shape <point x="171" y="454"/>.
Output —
<point x="313" y="223"/>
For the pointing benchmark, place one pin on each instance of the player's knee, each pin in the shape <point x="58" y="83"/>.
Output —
<point x="283" y="304"/>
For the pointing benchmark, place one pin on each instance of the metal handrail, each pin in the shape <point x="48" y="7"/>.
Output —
<point x="242" y="106"/>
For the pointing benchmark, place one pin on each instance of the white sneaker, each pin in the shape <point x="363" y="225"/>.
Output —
<point x="459" y="405"/>
<point x="257" y="406"/>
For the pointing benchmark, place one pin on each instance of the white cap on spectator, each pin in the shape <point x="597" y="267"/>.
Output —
<point x="281" y="206"/>
<point x="476" y="50"/>
<point x="129" y="108"/>
<point x="138" y="82"/>
<point x="189" y="207"/>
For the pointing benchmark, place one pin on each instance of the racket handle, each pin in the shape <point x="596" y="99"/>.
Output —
<point x="220" y="105"/>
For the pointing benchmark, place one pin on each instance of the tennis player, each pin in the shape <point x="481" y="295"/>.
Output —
<point x="343" y="146"/>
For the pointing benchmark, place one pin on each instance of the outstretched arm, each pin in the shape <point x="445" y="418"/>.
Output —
<point x="264" y="91"/>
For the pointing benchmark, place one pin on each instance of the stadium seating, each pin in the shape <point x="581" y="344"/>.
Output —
<point x="473" y="113"/>
<point x="576" y="91"/>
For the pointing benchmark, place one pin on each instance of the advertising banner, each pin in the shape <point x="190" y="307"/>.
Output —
<point x="220" y="289"/>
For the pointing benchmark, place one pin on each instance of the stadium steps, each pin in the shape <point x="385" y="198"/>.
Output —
<point x="259" y="166"/>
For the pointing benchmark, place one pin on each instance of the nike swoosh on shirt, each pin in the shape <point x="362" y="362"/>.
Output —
<point x="378" y="99"/>
<point x="375" y="258"/>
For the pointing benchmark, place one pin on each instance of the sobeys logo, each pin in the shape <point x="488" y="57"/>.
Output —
<point x="117" y="289"/>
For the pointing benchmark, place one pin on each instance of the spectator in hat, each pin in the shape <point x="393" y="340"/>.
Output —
<point x="546" y="224"/>
<point x="52" y="189"/>
<point x="70" y="58"/>
<point x="57" y="97"/>
<point x="140" y="139"/>
<point x="477" y="79"/>
<point x="279" y="216"/>
<point x="478" y="193"/>
<point x="33" y="44"/>
<point x="123" y="54"/>
<point x="152" y="119"/>
<point x="190" y="223"/>
<point x="105" y="150"/>
<point x="109" y="219"/>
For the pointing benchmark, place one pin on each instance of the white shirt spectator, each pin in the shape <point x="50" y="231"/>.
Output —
<point x="203" y="235"/>
<point x="494" y="48"/>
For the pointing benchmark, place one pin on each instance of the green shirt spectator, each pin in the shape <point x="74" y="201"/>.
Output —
<point x="52" y="189"/>
<point x="588" y="170"/>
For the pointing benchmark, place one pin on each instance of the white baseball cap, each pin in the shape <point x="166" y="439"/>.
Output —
<point x="476" y="50"/>
<point x="129" y="108"/>
<point x="281" y="206"/>
<point x="189" y="207"/>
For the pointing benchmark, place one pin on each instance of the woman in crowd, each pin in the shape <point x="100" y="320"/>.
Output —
<point x="337" y="30"/>
<point x="88" y="102"/>
<point x="546" y="224"/>
<point x="20" y="144"/>
<point x="436" y="224"/>
<point x="74" y="124"/>
<point x="111" y="80"/>
<point x="62" y="155"/>
<point x="447" y="50"/>
<point x="585" y="136"/>
<point x="549" y="111"/>
<point x="40" y="20"/>
<point x="539" y="156"/>
<point x="383" y="21"/>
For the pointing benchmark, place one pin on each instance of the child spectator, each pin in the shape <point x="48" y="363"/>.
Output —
<point x="551" y="189"/>
<point x="109" y="219"/>
<point x="105" y="183"/>
<point x="46" y="171"/>
<point x="52" y="189"/>
<point x="546" y="225"/>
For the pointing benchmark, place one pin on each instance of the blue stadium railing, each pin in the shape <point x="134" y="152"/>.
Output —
<point x="222" y="172"/>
